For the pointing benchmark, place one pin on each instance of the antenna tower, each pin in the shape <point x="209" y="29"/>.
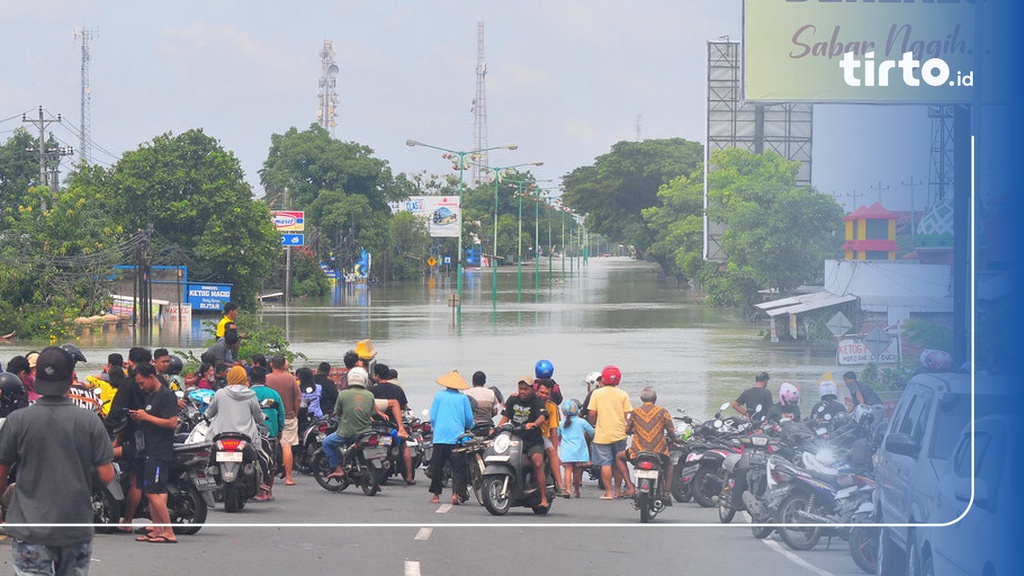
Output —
<point x="86" y="97"/>
<point x="479" y="110"/>
<point x="327" y="96"/>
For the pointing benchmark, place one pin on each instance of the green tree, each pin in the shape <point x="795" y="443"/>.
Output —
<point x="678" y="223"/>
<point x="614" y="191"/>
<point x="193" y="195"/>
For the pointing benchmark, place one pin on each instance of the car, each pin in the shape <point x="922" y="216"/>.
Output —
<point x="998" y="465"/>
<point x="916" y="456"/>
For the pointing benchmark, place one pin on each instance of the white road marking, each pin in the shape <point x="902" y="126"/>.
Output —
<point x="423" y="534"/>
<point x="412" y="568"/>
<point x="443" y="509"/>
<point x="794" y="558"/>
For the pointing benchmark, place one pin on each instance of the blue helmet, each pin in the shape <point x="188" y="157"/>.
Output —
<point x="544" y="369"/>
<point x="571" y="407"/>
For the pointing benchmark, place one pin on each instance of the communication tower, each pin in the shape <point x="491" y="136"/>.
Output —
<point x="85" y="36"/>
<point x="479" y="110"/>
<point x="327" y="96"/>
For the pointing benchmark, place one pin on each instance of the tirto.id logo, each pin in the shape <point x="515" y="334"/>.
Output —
<point x="934" y="71"/>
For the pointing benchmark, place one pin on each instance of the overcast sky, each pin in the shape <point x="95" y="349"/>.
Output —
<point x="566" y="80"/>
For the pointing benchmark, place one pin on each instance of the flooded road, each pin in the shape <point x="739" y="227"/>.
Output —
<point x="610" y="311"/>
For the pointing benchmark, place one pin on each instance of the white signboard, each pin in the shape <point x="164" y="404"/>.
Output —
<point x="442" y="213"/>
<point x="854" y="351"/>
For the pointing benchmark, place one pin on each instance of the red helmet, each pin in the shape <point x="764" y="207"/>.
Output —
<point x="611" y="376"/>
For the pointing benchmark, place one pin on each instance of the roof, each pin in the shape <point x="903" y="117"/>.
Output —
<point x="804" y="303"/>
<point x="874" y="212"/>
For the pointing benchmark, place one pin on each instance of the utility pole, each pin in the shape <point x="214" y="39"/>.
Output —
<point x="41" y="150"/>
<point x="913" y="215"/>
<point x="851" y="194"/>
<point x="879" y="188"/>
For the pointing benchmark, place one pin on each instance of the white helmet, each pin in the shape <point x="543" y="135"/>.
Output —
<point x="789" y="395"/>
<point x="592" y="379"/>
<point x="828" y="387"/>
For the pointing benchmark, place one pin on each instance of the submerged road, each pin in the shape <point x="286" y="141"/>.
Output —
<point x="398" y="532"/>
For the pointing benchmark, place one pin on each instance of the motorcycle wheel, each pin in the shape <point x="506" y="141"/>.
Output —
<point x="796" y="538"/>
<point x="187" y="510"/>
<point x="105" y="509"/>
<point x="681" y="491"/>
<point x="761" y="532"/>
<point x="705" y="486"/>
<point x="371" y="482"/>
<point x="643" y="502"/>
<point x="232" y="498"/>
<point x="495" y="503"/>
<point x="320" y="471"/>
<point x="304" y="461"/>
<point x="725" y="514"/>
<point x="864" y="548"/>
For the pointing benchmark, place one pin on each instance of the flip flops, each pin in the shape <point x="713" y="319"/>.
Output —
<point x="604" y="497"/>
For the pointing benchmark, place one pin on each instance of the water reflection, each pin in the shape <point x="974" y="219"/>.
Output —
<point x="612" y="311"/>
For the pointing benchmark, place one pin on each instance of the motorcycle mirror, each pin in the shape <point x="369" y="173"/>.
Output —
<point x="724" y="406"/>
<point x="426" y="412"/>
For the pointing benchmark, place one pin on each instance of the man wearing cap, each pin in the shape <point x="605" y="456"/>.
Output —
<point x="59" y="448"/>
<point x="354" y="408"/>
<point x="527" y="410"/>
<point x="450" y="415"/>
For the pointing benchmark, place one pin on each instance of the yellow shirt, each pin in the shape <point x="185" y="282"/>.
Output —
<point x="611" y="405"/>
<point x="222" y="326"/>
<point x="106" y="392"/>
<point x="551" y="422"/>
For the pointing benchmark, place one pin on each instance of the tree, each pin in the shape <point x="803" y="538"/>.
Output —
<point x="678" y="224"/>
<point x="614" y="191"/>
<point x="194" y="195"/>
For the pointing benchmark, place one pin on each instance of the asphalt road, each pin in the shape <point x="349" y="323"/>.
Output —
<point x="307" y="530"/>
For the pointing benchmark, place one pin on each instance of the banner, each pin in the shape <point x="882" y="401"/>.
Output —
<point x="859" y="51"/>
<point x="442" y="213"/>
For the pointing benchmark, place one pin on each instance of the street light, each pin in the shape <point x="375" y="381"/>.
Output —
<point x="461" y="160"/>
<point x="499" y="173"/>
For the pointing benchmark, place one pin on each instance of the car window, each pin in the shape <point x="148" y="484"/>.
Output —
<point x="951" y="415"/>
<point x="962" y="456"/>
<point x="901" y="410"/>
<point x="915" y="420"/>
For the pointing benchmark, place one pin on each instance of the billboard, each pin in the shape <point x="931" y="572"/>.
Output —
<point x="866" y="51"/>
<point x="204" y="297"/>
<point x="442" y="213"/>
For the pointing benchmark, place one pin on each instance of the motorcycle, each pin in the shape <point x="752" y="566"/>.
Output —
<point x="756" y="449"/>
<point x="650" y="498"/>
<point x="310" y="441"/>
<point x="508" y="478"/>
<point x="472" y="447"/>
<point x="703" y="467"/>
<point x="234" y="464"/>
<point x="364" y="462"/>
<point x="189" y="493"/>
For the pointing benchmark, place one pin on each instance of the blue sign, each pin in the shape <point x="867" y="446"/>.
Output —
<point x="208" y="296"/>
<point x="293" y="239"/>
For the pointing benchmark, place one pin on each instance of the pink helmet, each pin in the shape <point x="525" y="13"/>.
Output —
<point x="789" y="395"/>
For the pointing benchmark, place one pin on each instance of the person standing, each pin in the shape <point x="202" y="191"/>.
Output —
<point x="58" y="448"/>
<point x="484" y="401"/>
<point x="328" y="389"/>
<point x="284" y="383"/>
<point x="156" y="421"/>
<point x="450" y="415"/>
<point x="574" y="450"/>
<point x="273" y="417"/>
<point x="755" y="401"/>
<point x="607" y="412"/>
<point x="230" y="317"/>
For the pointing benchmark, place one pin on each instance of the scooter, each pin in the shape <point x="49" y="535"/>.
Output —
<point x="508" y="478"/>
<point x="650" y="499"/>
<point x="234" y="464"/>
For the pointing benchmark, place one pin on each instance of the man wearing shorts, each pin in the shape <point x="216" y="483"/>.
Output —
<point x="607" y="412"/>
<point x="154" y="442"/>
<point x="284" y="383"/>
<point x="527" y="410"/>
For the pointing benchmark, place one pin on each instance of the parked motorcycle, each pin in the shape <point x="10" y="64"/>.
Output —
<point x="364" y="462"/>
<point x="703" y="467"/>
<point x="234" y="464"/>
<point x="508" y="478"/>
<point x="310" y="440"/>
<point x="756" y="450"/>
<point x="650" y="498"/>
<point x="189" y="493"/>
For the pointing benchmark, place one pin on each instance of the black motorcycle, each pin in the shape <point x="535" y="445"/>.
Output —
<point x="650" y="498"/>
<point x="363" y="462"/>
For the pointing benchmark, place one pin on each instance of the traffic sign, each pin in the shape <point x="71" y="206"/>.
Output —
<point x="293" y="239"/>
<point x="877" y="341"/>
<point x="838" y="325"/>
<point x="431" y="261"/>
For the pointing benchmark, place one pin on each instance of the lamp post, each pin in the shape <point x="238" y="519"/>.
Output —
<point x="499" y="173"/>
<point x="461" y="160"/>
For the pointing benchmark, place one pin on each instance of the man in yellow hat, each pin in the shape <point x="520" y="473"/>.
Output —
<point x="451" y="415"/>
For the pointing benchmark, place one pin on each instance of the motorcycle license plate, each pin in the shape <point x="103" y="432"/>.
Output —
<point x="229" y="457"/>
<point x="372" y="453"/>
<point x="206" y="483"/>
<point x="646" y="474"/>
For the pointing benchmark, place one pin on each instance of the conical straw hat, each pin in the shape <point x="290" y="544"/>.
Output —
<point x="453" y="380"/>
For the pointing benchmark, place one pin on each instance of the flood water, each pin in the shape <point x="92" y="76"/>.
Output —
<point x="609" y="311"/>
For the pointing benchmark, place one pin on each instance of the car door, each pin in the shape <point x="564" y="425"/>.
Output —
<point x="896" y="472"/>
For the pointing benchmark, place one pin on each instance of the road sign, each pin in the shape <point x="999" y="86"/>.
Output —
<point x="877" y="341"/>
<point x="293" y="239"/>
<point x="447" y="260"/>
<point x="838" y="325"/>
<point x="431" y="261"/>
<point x="289" y="220"/>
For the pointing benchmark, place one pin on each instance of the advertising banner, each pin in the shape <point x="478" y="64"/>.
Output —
<point x="289" y="220"/>
<point x="442" y="213"/>
<point x="208" y="296"/>
<point x="859" y="51"/>
<point x="852" y="351"/>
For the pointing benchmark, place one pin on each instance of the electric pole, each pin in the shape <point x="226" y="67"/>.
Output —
<point x="913" y="215"/>
<point x="879" y="188"/>
<point x="44" y="154"/>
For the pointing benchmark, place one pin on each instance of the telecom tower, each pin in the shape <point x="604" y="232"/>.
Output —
<point x="86" y="97"/>
<point x="479" y="110"/>
<point x="327" y="97"/>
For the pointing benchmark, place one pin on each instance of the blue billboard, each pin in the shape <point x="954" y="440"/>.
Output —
<point x="208" y="296"/>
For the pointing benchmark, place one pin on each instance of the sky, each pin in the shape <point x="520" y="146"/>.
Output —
<point x="566" y="80"/>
